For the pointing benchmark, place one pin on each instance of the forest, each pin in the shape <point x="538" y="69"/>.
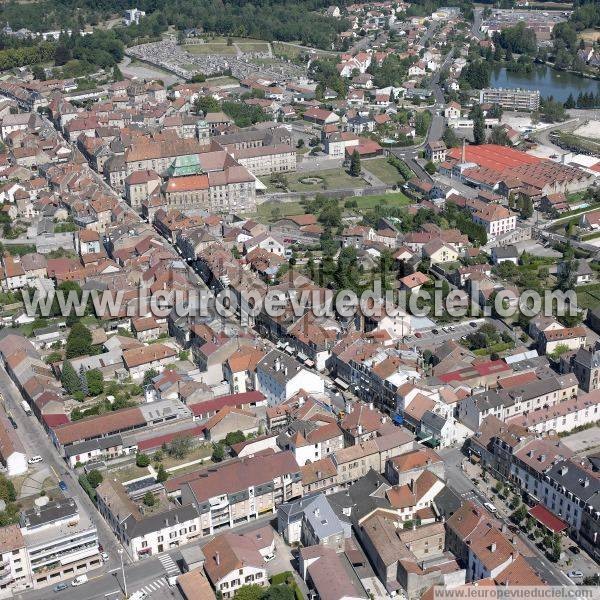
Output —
<point x="261" y="19"/>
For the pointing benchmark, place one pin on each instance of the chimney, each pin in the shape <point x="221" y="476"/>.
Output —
<point x="586" y="482"/>
<point x="285" y="370"/>
<point x="493" y="547"/>
<point x="370" y="406"/>
<point x="217" y="558"/>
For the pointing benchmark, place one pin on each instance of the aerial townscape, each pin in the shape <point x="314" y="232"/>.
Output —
<point x="299" y="301"/>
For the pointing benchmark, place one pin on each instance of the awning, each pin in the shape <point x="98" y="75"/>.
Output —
<point x="398" y="419"/>
<point x="309" y="363"/>
<point x="341" y="383"/>
<point x="548" y="519"/>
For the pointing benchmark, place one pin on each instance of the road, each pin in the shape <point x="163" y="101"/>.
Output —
<point x="466" y="489"/>
<point x="543" y="135"/>
<point x="477" y="19"/>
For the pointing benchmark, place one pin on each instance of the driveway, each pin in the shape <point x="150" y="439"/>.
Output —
<point x="32" y="486"/>
<point x="283" y="557"/>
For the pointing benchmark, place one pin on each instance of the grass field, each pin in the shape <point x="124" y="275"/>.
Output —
<point x="210" y="48"/>
<point x="382" y="169"/>
<point x="265" y="212"/>
<point x="288" y="51"/>
<point x="225" y="80"/>
<point x="329" y="179"/>
<point x="393" y="199"/>
<point x="284" y="209"/>
<point x="253" y="46"/>
<point x="590" y="35"/>
<point x="588" y="296"/>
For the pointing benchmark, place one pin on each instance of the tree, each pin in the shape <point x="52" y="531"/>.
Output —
<point x="79" y="341"/>
<point x="95" y="478"/>
<point x="149" y="375"/>
<point x="279" y="592"/>
<point x="234" y="437"/>
<point x="95" y="381"/>
<point x="499" y="136"/>
<point x="355" y="164"/>
<point x="149" y="499"/>
<point x="450" y="138"/>
<point x="478" y="125"/>
<point x="142" y="460"/>
<point x="249" y="592"/>
<point x="430" y="168"/>
<point x="218" y="453"/>
<point x="69" y="378"/>
<point x="161" y="475"/>
<point x="526" y="207"/>
<point x="180" y="446"/>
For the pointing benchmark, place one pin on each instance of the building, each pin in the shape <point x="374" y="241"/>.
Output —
<point x="311" y="521"/>
<point x="61" y="541"/>
<point x="12" y="451"/>
<point x="239" y="490"/>
<point x="15" y="574"/>
<point x="511" y="99"/>
<point x="436" y="151"/>
<point x="233" y="561"/>
<point x="280" y="377"/>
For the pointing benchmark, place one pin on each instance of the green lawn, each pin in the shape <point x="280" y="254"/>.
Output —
<point x="225" y="80"/>
<point x="588" y="296"/>
<point x="285" y="209"/>
<point x="382" y="169"/>
<point x="210" y="48"/>
<point x="392" y="199"/>
<point x="253" y="46"/>
<point x="330" y="179"/>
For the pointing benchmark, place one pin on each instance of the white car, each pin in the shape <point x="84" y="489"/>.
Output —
<point x="35" y="459"/>
<point x="79" y="580"/>
<point x="104" y="556"/>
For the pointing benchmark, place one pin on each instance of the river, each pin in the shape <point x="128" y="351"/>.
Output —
<point x="549" y="81"/>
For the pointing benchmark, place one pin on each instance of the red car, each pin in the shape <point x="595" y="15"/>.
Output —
<point x="418" y="334"/>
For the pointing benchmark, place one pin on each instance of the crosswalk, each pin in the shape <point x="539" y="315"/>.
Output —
<point x="153" y="586"/>
<point x="169" y="564"/>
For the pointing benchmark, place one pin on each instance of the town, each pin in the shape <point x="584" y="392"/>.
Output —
<point x="190" y="195"/>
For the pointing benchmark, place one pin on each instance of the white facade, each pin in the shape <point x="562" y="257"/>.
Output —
<point x="247" y="575"/>
<point x="282" y="387"/>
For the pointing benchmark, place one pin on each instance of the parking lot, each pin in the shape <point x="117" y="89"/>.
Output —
<point x="437" y="335"/>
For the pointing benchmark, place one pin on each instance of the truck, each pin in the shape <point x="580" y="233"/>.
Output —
<point x="26" y="408"/>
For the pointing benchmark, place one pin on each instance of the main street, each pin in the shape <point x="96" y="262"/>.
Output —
<point x="460" y="483"/>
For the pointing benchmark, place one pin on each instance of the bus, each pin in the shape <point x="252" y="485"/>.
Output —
<point x="26" y="408"/>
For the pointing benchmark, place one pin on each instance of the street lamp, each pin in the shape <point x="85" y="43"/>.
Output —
<point x="120" y="551"/>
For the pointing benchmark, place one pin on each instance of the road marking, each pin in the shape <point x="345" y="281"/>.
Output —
<point x="111" y="593"/>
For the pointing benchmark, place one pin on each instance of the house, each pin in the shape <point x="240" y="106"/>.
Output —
<point x="311" y="521"/>
<point x="232" y="561"/>
<point x="572" y="338"/>
<point x="240" y="369"/>
<point x="330" y="574"/>
<point x="452" y="110"/>
<point x="414" y="282"/>
<point x="502" y="254"/>
<point x="439" y="252"/>
<point x="579" y="270"/>
<point x="230" y="419"/>
<point x="280" y="377"/>
<point x="436" y="151"/>
<point x="12" y="451"/>
<point x="320" y="116"/>
<point x="138" y="360"/>
<point x="590" y="220"/>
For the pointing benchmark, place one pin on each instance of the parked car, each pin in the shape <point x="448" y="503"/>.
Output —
<point x="490" y="507"/>
<point x="434" y="331"/>
<point x="418" y="334"/>
<point x="35" y="459"/>
<point x="59" y="587"/>
<point x="13" y="422"/>
<point x="104" y="556"/>
<point x="575" y="549"/>
<point x="63" y="486"/>
<point x="574" y="574"/>
<point x="79" y="580"/>
<point x="473" y="324"/>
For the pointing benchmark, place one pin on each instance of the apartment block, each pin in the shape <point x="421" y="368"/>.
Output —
<point x="511" y="99"/>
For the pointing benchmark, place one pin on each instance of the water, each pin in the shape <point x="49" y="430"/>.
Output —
<point x="549" y="81"/>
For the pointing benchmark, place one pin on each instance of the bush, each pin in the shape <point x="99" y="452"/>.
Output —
<point x="95" y="478"/>
<point x="142" y="460"/>
<point x="89" y="490"/>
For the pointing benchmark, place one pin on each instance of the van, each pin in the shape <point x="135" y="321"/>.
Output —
<point x="79" y="580"/>
<point x="490" y="507"/>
